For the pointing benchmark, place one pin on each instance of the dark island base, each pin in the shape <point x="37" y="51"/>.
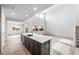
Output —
<point x="34" y="47"/>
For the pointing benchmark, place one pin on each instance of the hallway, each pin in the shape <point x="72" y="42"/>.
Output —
<point x="14" y="46"/>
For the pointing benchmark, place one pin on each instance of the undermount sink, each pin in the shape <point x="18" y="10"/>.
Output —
<point x="29" y="35"/>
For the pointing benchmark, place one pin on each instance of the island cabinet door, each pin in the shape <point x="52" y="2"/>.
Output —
<point x="22" y="39"/>
<point x="24" y="43"/>
<point x="31" y="46"/>
<point x="37" y="48"/>
<point x="27" y="42"/>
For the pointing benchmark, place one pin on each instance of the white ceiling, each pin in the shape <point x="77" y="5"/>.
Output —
<point x="21" y="10"/>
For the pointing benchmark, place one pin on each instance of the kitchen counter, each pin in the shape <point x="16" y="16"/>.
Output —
<point x="37" y="44"/>
<point x="38" y="37"/>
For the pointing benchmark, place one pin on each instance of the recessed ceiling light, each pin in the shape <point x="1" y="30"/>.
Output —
<point x="13" y="13"/>
<point x="35" y="8"/>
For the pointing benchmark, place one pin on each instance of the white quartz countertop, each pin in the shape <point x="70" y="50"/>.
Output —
<point x="39" y="37"/>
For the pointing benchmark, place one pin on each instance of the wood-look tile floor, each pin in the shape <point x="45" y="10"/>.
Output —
<point x="14" y="46"/>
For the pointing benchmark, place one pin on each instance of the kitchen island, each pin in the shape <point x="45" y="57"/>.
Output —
<point x="37" y="44"/>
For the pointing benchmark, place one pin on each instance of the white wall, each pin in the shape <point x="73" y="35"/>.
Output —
<point x="3" y="28"/>
<point x="60" y="20"/>
<point x="35" y="20"/>
<point x="11" y="24"/>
